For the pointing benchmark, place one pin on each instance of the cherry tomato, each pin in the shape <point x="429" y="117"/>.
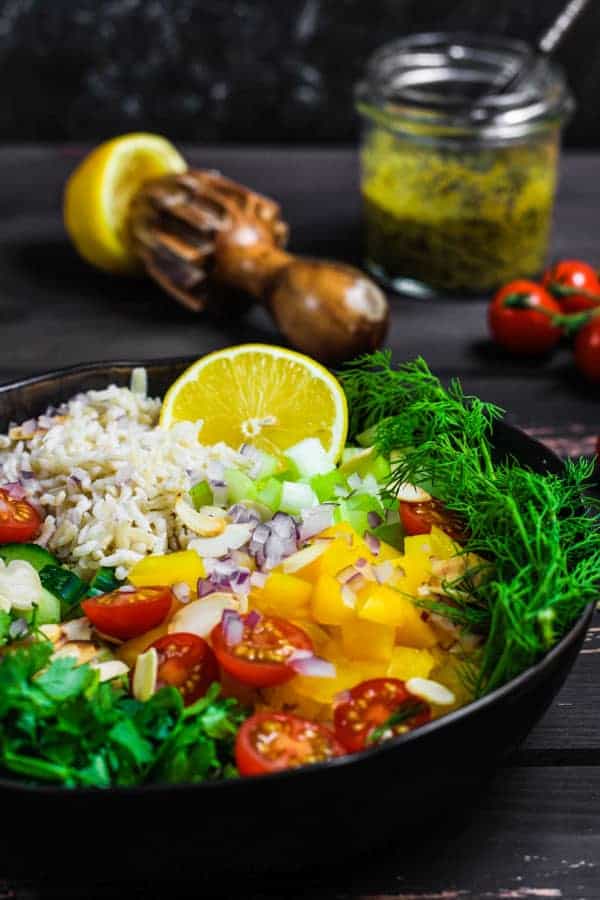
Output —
<point x="19" y="521"/>
<point x="370" y="705"/>
<point x="565" y="278"/>
<point x="125" y="613"/>
<point x="186" y="662"/>
<point x="260" y="657"/>
<point x="419" y="518"/>
<point x="523" y="330"/>
<point x="270" y="742"/>
<point x="587" y="350"/>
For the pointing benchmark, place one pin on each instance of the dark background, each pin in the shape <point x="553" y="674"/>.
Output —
<point x="237" y="70"/>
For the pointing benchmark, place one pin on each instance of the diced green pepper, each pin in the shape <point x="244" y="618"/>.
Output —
<point x="239" y="486"/>
<point x="103" y="582"/>
<point x="201" y="495"/>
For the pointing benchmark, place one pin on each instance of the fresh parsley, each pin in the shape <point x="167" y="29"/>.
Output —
<point x="59" y="724"/>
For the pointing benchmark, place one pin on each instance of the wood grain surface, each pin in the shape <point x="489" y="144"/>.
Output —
<point x="536" y="831"/>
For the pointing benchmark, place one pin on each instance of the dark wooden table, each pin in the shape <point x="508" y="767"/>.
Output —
<point x="536" y="831"/>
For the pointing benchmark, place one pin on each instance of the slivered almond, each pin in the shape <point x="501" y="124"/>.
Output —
<point x="410" y="493"/>
<point x="145" y="675"/>
<point x="198" y="522"/>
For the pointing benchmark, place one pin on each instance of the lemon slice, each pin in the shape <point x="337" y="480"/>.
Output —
<point x="99" y="192"/>
<point x="266" y="395"/>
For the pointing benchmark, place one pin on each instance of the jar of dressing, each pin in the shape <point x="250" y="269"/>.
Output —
<point x="457" y="175"/>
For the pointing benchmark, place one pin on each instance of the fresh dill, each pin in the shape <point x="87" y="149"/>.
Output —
<point x="542" y="545"/>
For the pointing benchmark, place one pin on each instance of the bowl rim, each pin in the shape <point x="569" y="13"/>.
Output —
<point x="394" y="744"/>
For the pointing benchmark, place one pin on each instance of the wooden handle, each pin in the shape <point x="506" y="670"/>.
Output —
<point x="327" y="309"/>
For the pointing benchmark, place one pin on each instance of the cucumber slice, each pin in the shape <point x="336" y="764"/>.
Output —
<point x="36" y="556"/>
<point x="309" y="458"/>
<point x="296" y="497"/>
<point x="47" y="609"/>
<point x="65" y="585"/>
<point x="324" y="485"/>
<point x="269" y="493"/>
<point x="239" y="486"/>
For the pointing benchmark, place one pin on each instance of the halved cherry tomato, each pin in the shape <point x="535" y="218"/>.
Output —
<point x="515" y="322"/>
<point x="261" y="656"/>
<point x="587" y="349"/>
<point x="270" y="742"/>
<point x="125" y="613"/>
<point x="19" y="521"/>
<point x="370" y="705"/>
<point x="419" y="518"/>
<point x="186" y="662"/>
<point x="574" y="284"/>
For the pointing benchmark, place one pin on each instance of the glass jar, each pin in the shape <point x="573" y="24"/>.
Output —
<point x="458" y="176"/>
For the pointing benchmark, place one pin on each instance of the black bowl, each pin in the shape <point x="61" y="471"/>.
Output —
<point x="298" y="818"/>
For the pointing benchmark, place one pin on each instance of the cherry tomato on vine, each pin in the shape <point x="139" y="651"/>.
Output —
<point x="419" y="518"/>
<point x="186" y="662"/>
<point x="515" y="322"/>
<point x="570" y="281"/>
<point x="270" y="742"/>
<point x="587" y="350"/>
<point x="19" y="521"/>
<point x="125" y="613"/>
<point x="376" y="709"/>
<point x="260" y="657"/>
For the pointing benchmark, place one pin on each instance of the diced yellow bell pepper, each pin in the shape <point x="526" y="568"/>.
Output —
<point x="318" y="635"/>
<point x="284" y="595"/>
<point x="328" y="607"/>
<point x="388" y="607"/>
<point x="442" y="546"/>
<point x="408" y="662"/>
<point x="418" y="545"/>
<point x="386" y="552"/>
<point x="171" y="568"/>
<point x="368" y="640"/>
<point x="348" y="674"/>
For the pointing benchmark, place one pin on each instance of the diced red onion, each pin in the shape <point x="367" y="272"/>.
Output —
<point x="27" y="476"/>
<point x="313" y="667"/>
<point x="15" y="490"/>
<point x="316" y="520"/>
<point x="348" y="597"/>
<point x="240" y="581"/>
<point x="373" y="543"/>
<point x="205" y="586"/>
<point x="283" y="526"/>
<point x="29" y="428"/>
<point x="219" y="492"/>
<point x="253" y="618"/>
<point x="374" y="519"/>
<point x="182" y="591"/>
<point x="356" y="583"/>
<point x="233" y="627"/>
<point x="239" y="513"/>
<point x="342" y="697"/>
<point x="215" y="471"/>
<point x="126" y="589"/>
<point x="252" y="453"/>
<point x="258" y="579"/>
<point x="361" y="562"/>
<point x="18" y="628"/>
<point x="345" y="574"/>
<point x="384" y="572"/>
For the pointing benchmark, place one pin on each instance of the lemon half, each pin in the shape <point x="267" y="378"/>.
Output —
<point x="99" y="192"/>
<point x="270" y="396"/>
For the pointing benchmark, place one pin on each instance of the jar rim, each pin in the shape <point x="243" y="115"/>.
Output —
<point x="448" y="84"/>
